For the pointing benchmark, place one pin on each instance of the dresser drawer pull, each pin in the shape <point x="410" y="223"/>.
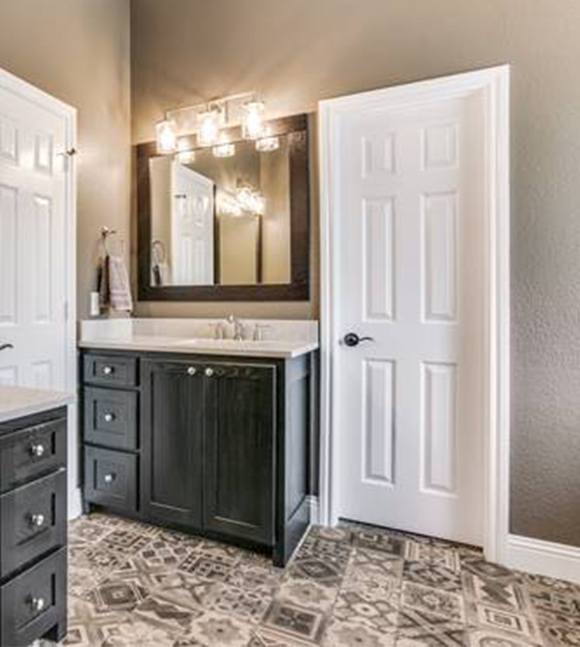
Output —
<point x="37" y="449"/>
<point x="107" y="370"/>
<point x="38" y="604"/>
<point x="37" y="520"/>
<point x="209" y="372"/>
<point x="191" y="370"/>
<point x="109" y="478"/>
<point x="109" y="417"/>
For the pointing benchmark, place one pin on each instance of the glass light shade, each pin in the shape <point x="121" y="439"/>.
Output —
<point x="253" y="122"/>
<point x="224" y="150"/>
<point x="251" y="201"/>
<point x="208" y="131"/>
<point x="268" y="144"/>
<point x="165" y="133"/>
<point x="186" y="157"/>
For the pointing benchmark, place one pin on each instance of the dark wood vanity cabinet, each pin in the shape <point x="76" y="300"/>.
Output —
<point x="33" y="534"/>
<point x="222" y="445"/>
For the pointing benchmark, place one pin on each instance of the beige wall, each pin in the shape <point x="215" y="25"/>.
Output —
<point x="299" y="51"/>
<point x="78" y="51"/>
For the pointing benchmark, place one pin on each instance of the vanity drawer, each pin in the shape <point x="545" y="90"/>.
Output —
<point x="34" y="602"/>
<point x="31" y="452"/>
<point x="111" y="478"/>
<point x="32" y="521"/>
<point x="113" y="370"/>
<point x="110" y="418"/>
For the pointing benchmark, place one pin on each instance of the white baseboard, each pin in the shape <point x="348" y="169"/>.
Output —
<point x="543" y="558"/>
<point x="314" y="510"/>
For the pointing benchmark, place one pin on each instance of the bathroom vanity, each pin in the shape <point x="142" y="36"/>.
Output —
<point x="210" y="436"/>
<point x="33" y="515"/>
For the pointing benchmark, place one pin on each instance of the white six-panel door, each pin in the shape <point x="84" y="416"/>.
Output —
<point x="410" y="257"/>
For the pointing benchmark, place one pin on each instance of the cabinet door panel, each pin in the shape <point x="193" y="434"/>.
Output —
<point x="172" y="418"/>
<point x="239" y="451"/>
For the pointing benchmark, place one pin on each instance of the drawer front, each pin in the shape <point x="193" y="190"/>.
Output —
<point x="31" y="452"/>
<point x="110" y="418"/>
<point x="32" y="521"/>
<point x="34" y="602"/>
<point x="113" y="370"/>
<point x="111" y="478"/>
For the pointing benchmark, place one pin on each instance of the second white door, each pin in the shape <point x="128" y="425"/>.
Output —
<point x="410" y="205"/>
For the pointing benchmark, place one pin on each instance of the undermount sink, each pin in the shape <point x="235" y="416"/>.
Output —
<point x="227" y="343"/>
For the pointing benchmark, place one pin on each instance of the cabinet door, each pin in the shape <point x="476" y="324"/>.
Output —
<point x="171" y="423"/>
<point x="239" y="451"/>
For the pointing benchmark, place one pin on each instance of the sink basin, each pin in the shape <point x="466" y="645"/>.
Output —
<point x="230" y="344"/>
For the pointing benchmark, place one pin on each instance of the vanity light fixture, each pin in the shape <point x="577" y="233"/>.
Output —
<point x="224" y="149"/>
<point x="267" y="144"/>
<point x="186" y="157"/>
<point x="166" y="136"/>
<point x="251" y="201"/>
<point x="209" y="129"/>
<point x="253" y="120"/>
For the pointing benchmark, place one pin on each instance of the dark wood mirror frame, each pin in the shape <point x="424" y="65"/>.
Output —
<point x="299" y="287"/>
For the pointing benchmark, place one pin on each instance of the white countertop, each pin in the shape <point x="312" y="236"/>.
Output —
<point x="282" y="338"/>
<point x="205" y="346"/>
<point x="19" y="401"/>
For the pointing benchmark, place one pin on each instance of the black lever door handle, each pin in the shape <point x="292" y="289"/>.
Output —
<point x="352" y="339"/>
<point x="5" y="346"/>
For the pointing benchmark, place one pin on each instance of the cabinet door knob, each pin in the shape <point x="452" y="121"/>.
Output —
<point x="209" y="371"/>
<point x="109" y="417"/>
<point x="37" y="449"/>
<point x="37" y="604"/>
<point x="191" y="370"/>
<point x="107" y="370"/>
<point x="109" y="478"/>
<point x="37" y="520"/>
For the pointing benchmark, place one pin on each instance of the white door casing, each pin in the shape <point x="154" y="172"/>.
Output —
<point x="415" y="254"/>
<point x="192" y="230"/>
<point x="37" y="245"/>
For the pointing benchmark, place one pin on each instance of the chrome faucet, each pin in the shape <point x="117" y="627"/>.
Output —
<point x="238" y="327"/>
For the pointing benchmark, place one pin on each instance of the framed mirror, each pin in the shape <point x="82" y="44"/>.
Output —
<point x="229" y="222"/>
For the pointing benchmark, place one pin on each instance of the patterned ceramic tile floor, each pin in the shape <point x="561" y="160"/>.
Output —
<point x="133" y="584"/>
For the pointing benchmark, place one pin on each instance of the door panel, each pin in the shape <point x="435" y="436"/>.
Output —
<point x="172" y="428"/>
<point x="239" y="446"/>
<point x="33" y="235"/>
<point x="411" y="274"/>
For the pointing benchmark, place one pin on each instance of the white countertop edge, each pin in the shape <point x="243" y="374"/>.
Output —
<point x="292" y="350"/>
<point x="19" y="402"/>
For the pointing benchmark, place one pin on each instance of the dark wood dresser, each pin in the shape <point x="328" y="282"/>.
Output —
<point x="33" y="528"/>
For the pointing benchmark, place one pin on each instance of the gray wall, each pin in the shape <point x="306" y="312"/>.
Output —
<point x="79" y="51"/>
<point x="299" y="51"/>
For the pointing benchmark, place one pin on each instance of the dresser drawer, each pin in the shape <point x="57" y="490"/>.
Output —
<point x="34" y="602"/>
<point x="31" y="452"/>
<point x="114" y="370"/>
<point x="32" y="521"/>
<point x="111" y="478"/>
<point x="110" y="417"/>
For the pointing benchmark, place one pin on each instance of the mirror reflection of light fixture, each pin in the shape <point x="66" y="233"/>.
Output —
<point x="166" y="136"/>
<point x="208" y="131"/>
<point x="251" y="201"/>
<point x="253" y="120"/>
<point x="268" y="144"/>
<point x="186" y="157"/>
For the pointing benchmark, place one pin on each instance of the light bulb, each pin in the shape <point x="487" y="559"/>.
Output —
<point x="186" y="157"/>
<point x="166" y="137"/>
<point x="208" y="131"/>
<point x="253" y="122"/>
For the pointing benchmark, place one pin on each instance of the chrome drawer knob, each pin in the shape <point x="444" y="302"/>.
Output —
<point x="191" y="370"/>
<point x="37" y="520"/>
<point x="37" y="450"/>
<point x="109" y="417"/>
<point x="37" y="604"/>
<point x="107" y="370"/>
<point x="209" y="372"/>
<point x="109" y="478"/>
